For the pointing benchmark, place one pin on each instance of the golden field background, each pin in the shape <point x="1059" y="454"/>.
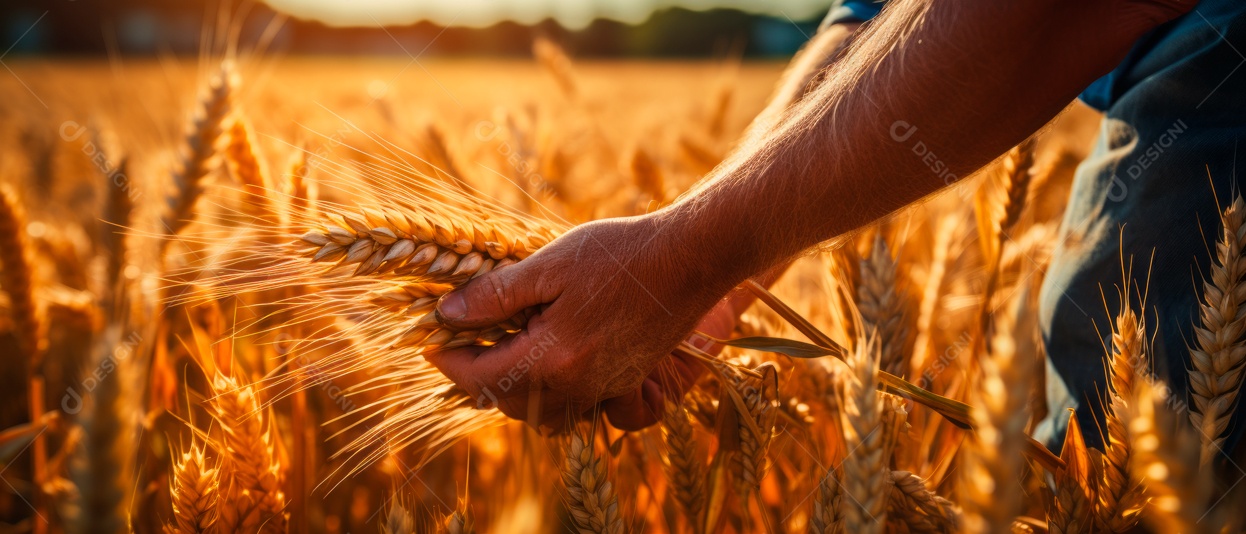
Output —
<point x="190" y="412"/>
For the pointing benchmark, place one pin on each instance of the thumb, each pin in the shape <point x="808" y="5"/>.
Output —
<point x="492" y="298"/>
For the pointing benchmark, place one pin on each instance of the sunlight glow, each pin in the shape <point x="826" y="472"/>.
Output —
<point x="478" y="13"/>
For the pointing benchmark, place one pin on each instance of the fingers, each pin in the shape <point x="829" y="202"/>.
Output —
<point x="495" y="375"/>
<point x="638" y="409"/>
<point x="500" y="378"/>
<point x="457" y="365"/>
<point x="490" y="389"/>
<point x="493" y="298"/>
<point x="502" y="369"/>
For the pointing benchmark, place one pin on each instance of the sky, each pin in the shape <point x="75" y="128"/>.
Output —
<point x="478" y="13"/>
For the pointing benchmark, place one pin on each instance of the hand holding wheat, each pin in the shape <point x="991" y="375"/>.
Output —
<point x="583" y="348"/>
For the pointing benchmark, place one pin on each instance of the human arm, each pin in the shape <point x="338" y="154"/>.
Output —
<point x="973" y="77"/>
<point x="803" y="74"/>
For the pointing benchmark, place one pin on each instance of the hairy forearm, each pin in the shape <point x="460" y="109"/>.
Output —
<point x="800" y="75"/>
<point x="967" y="79"/>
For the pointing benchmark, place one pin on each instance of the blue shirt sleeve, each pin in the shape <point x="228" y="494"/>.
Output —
<point x="852" y="11"/>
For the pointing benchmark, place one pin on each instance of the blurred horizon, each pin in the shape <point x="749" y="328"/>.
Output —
<point x="570" y="14"/>
<point x="156" y="27"/>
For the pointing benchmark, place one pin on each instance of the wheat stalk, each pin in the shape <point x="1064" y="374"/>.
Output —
<point x="1120" y="496"/>
<point x="919" y="508"/>
<point x="254" y="499"/>
<point x="865" y="471"/>
<point x="194" y="489"/>
<point x="592" y="502"/>
<point x="932" y="293"/>
<point x="1219" y="353"/>
<point x="882" y="306"/>
<point x="198" y="151"/>
<point x="685" y="462"/>
<point x="103" y="464"/>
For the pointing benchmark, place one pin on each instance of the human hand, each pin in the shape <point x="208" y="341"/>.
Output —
<point x="615" y="297"/>
<point x="675" y="373"/>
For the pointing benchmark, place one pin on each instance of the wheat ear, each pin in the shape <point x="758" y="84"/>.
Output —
<point x="29" y="320"/>
<point x="254" y="499"/>
<point x="103" y="464"/>
<point x="827" y="516"/>
<point x="459" y="522"/>
<point x="198" y="152"/>
<point x="118" y="209"/>
<point x="297" y="187"/>
<point x="1015" y="177"/>
<point x="6" y="322"/>
<point x="1219" y="353"/>
<point x="592" y="502"/>
<point x="244" y="164"/>
<point x="1120" y="496"/>
<point x="647" y="175"/>
<point x="1165" y="456"/>
<point x="437" y="253"/>
<point x="17" y="280"/>
<point x="760" y="396"/>
<point x="444" y="159"/>
<point x="720" y="108"/>
<point x="685" y="462"/>
<point x="866" y="477"/>
<point x="992" y="461"/>
<point x="556" y="62"/>
<point x="399" y="520"/>
<point x="919" y="508"/>
<point x="1072" y="509"/>
<point x="1013" y="180"/>
<point x="411" y="255"/>
<point x="194" y="488"/>
<point x="882" y="306"/>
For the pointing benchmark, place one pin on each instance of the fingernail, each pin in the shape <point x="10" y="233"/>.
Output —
<point x="452" y="307"/>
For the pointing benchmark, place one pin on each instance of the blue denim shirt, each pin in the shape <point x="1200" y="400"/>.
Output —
<point x="1159" y="49"/>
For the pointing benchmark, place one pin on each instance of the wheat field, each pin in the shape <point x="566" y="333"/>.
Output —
<point x="219" y="275"/>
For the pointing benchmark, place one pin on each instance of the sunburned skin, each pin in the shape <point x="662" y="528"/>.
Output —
<point x="619" y="294"/>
